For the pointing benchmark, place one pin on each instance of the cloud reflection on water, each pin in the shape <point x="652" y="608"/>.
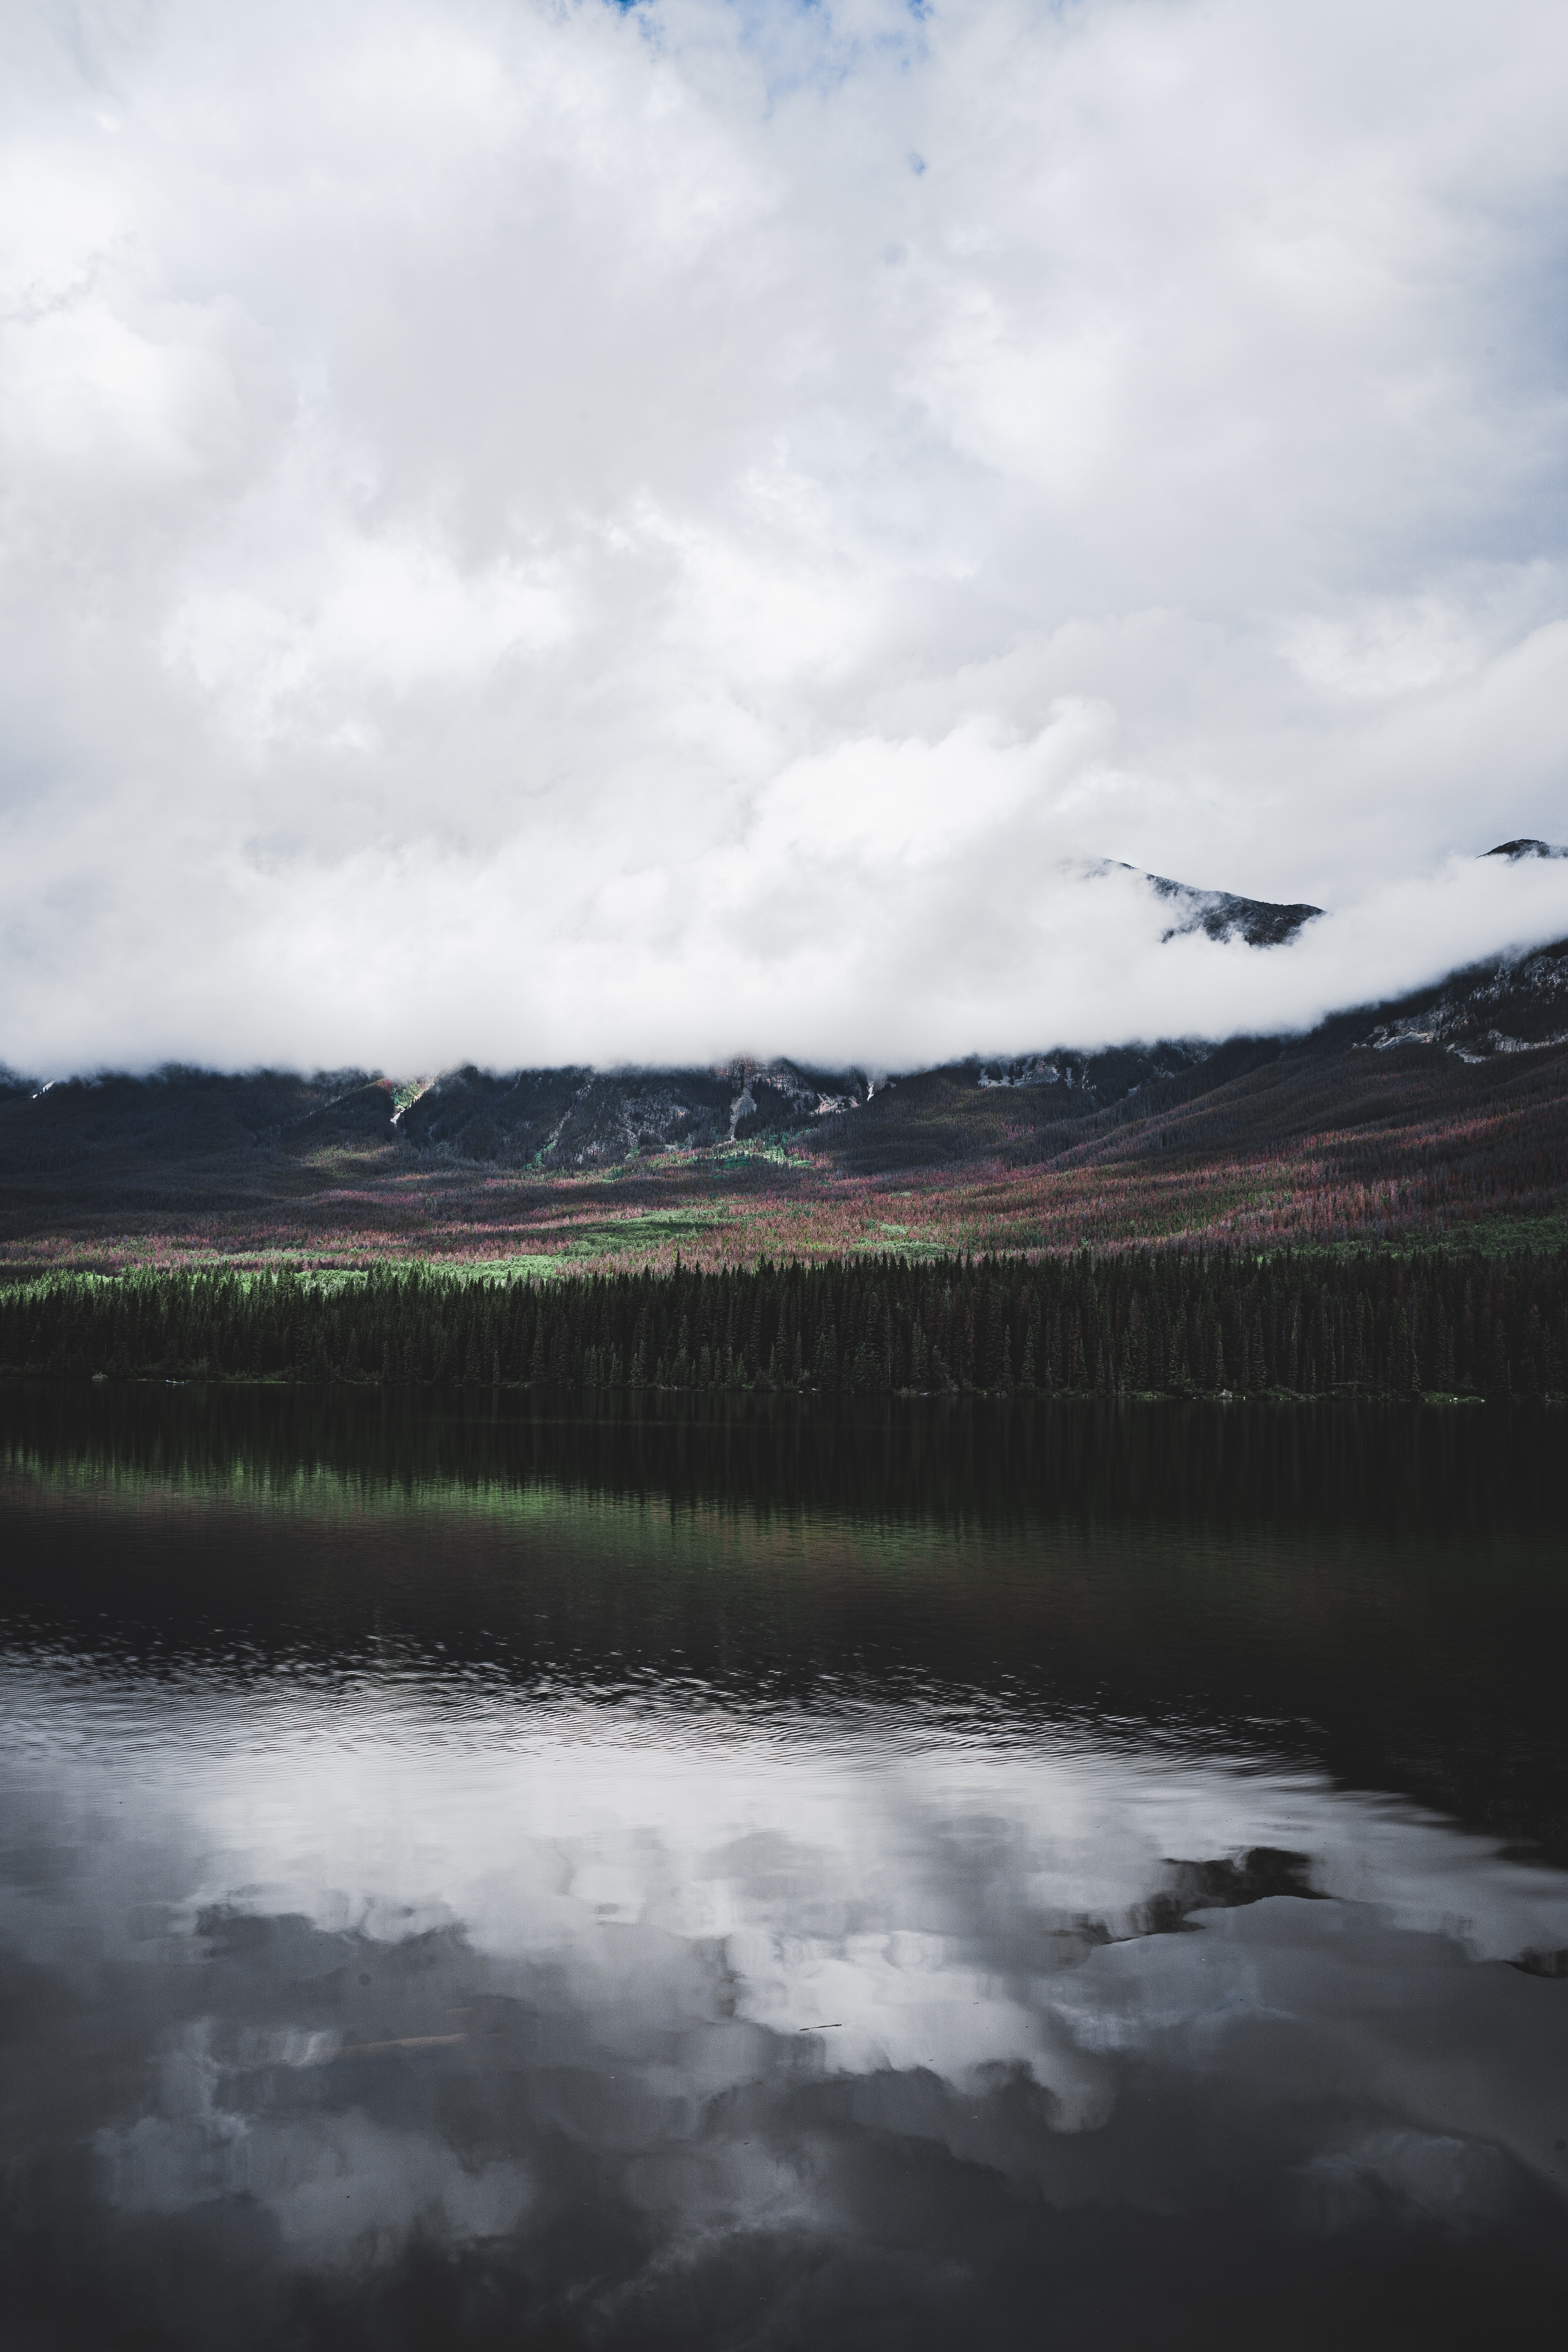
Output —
<point x="649" y="2030"/>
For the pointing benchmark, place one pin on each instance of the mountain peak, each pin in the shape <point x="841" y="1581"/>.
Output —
<point x="1221" y="915"/>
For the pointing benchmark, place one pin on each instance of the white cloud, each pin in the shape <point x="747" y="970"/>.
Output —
<point x="377" y="614"/>
<point x="537" y="532"/>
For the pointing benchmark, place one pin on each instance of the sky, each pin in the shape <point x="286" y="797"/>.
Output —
<point x="540" y="533"/>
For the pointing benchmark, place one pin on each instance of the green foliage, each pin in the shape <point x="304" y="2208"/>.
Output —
<point x="1313" y="1323"/>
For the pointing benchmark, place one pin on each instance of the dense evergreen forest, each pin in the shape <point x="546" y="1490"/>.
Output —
<point x="1139" y="1323"/>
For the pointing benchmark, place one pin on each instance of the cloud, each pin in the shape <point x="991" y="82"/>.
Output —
<point x="542" y="533"/>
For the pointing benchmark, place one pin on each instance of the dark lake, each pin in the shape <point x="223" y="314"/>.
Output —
<point x="775" y="1874"/>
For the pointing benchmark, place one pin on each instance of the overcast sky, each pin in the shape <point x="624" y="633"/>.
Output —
<point x="540" y="532"/>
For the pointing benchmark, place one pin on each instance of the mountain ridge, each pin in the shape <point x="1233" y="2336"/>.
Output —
<point x="578" y="1117"/>
<point x="186" y="1131"/>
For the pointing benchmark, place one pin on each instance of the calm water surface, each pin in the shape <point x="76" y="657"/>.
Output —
<point x="471" y="1875"/>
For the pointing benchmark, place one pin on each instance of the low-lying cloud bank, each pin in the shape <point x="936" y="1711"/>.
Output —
<point x="543" y="535"/>
<point x="901" y="923"/>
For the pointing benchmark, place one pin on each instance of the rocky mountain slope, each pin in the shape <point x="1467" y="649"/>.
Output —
<point x="580" y="1118"/>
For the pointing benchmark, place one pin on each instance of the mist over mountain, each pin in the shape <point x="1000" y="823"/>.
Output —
<point x="1241" y="948"/>
<point x="1223" y="915"/>
<point x="575" y="1116"/>
<point x="1514" y="850"/>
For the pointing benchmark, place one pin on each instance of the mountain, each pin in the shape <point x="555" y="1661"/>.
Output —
<point x="1503" y="1007"/>
<point x="1423" y="1056"/>
<point x="580" y="1118"/>
<point x="192" y="1143"/>
<point x="1221" y="914"/>
<point x="145" y="1128"/>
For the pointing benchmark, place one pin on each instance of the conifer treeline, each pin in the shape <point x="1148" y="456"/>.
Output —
<point x="1139" y="1323"/>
